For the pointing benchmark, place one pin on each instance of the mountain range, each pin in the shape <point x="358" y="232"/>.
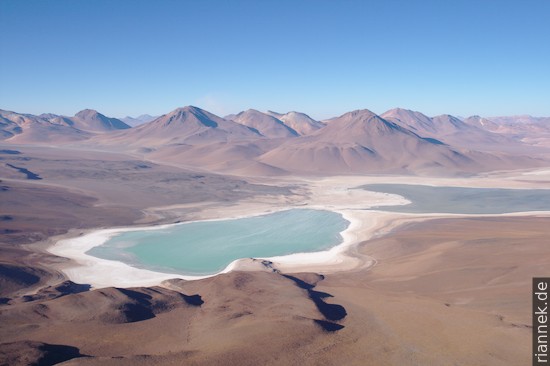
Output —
<point x="254" y="142"/>
<point x="139" y="120"/>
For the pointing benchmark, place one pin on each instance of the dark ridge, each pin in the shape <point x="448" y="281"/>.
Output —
<point x="195" y="300"/>
<point x="328" y="326"/>
<point x="370" y="151"/>
<point x="69" y="287"/>
<point x="17" y="274"/>
<point x="433" y="141"/>
<point x="36" y="353"/>
<point x="4" y="188"/>
<point x="6" y="218"/>
<point x="320" y="294"/>
<point x="30" y="175"/>
<point x="4" y="300"/>
<point x="136" y="312"/>
<point x="254" y="130"/>
<point x="268" y="265"/>
<point x="9" y="231"/>
<point x="138" y="296"/>
<point x="53" y="354"/>
<point x="10" y="152"/>
<point x="143" y="306"/>
<point x="329" y="311"/>
<point x="299" y="282"/>
<point x="53" y="292"/>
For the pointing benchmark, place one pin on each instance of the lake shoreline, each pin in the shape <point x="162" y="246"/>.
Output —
<point x="77" y="249"/>
<point x="338" y="194"/>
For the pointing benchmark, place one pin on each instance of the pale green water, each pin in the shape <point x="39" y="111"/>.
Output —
<point x="208" y="247"/>
<point x="462" y="200"/>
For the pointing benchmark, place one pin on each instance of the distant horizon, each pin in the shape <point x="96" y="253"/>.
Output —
<point x="128" y="58"/>
<point x="271" y="110"/>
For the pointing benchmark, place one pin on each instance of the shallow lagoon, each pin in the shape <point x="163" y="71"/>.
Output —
<point x="463" y="200"/>
<point x="207" y="247"/>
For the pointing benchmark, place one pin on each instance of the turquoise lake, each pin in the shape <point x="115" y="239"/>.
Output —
<point x="207" y="247"/>
<point x="463" y="200"/>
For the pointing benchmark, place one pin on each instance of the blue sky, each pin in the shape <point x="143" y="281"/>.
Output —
<point x="486" y="57"/>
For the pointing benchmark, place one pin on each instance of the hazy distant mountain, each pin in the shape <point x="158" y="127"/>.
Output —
<point x="8" y="127"/>
<point x="265" y="124"/>
<point x="415" y="121"/>
<point x="527" y="130"/>
<point x="520" y="120"/>
<point x="446" y="125"/>
<point x="521" y="125"/>
<point x="301" y="122"/>
<point x="52" y="128"/>
<point x="57" y="120"/>
<point x="448" y="129"/>
<point x="189" y="125"/>
<point x="87" y="120"/>
<point x="297" y="123"/>
<point x="482" y="123"/>
<point x="358" y="142"/>
<point x="26" y="128"/>
<point x="275" y="114"/>
<point x="534" y="131"/>
<point x="230" y="117"/>
<point x="437" y="127"/>
<point x="362" y="142"/>
<point x="133" y="122"/>
<point x="91" y="120"/>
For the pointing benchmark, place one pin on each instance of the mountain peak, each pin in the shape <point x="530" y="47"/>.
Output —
<point x="266" y="124"/>
<point x="359" y="113"/>
<point x="275" y="114"/>
<point x="446" y="117"/>
<point x="144" y="117"/>
<point x="253" y="112"/>
<point x="400" y="111"/>
<point x="184" y="114"/>
<point x="88" y="113"/>
<point x="188" y="109"/>
<point x="92" y="120"/>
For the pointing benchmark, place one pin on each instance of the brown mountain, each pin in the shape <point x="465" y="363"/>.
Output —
<point x="136" y="121"/>
<point x="448" y="129"/>
<point x="93" y="121"/>
<point x="534" y="131"/>
<point x="188" y="125"/>
<point x="29" y="129"/>
<point x="8" y="126"/>
<point x="362" y="142"/>
<point x="267" y="125"/>
<point x="301" y="123"/>
<point x="517" y="126"/>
